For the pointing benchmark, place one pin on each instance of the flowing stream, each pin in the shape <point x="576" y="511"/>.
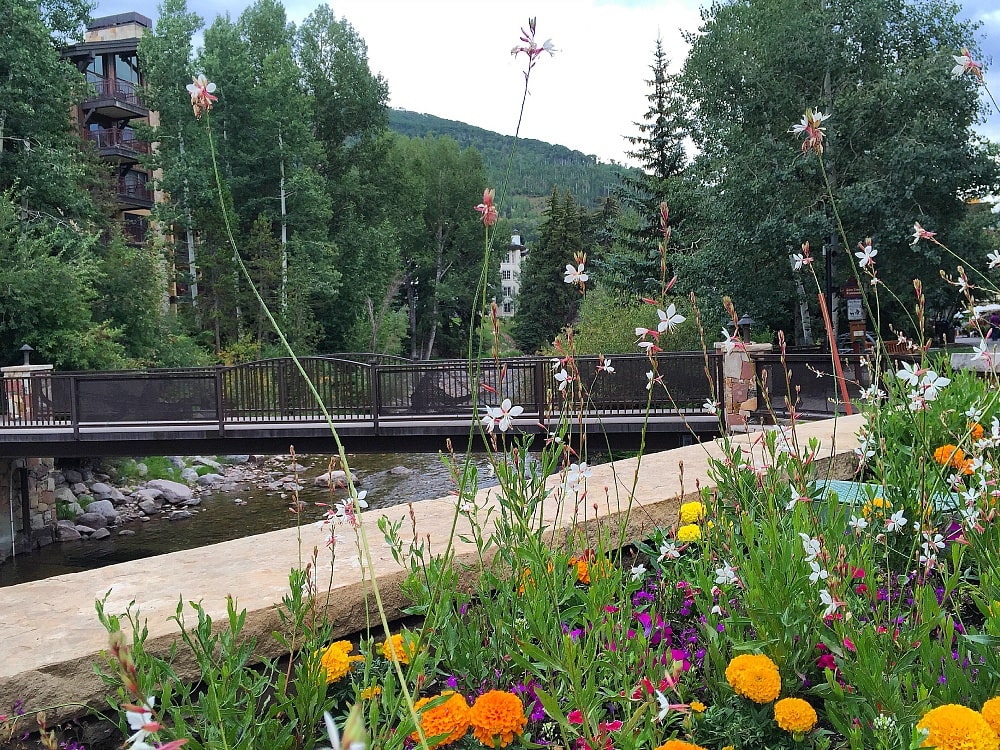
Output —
<point x="251" y="509"/>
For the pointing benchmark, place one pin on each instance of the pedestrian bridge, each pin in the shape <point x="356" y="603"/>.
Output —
<point x="375" y="403"/>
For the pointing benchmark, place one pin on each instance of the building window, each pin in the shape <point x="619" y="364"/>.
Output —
<point x="127" y="68"/>
<point x="95" y="71"/>
<point x="508" y="291"/>
<point x="508" y="308"/>
<point x="506" y="274"/>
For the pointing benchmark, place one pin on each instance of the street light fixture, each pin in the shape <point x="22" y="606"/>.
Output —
<point x="26" y="351"/>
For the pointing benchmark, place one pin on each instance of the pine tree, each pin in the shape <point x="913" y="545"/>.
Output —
<point x="546" y="302"/>
<point x="633" y="264"/>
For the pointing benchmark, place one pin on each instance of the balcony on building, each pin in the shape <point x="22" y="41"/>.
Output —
<point x="131" y="191"/>
<point x="116" y="144"/>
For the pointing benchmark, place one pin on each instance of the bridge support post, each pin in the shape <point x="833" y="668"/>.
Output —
<point x="739" y="384"/>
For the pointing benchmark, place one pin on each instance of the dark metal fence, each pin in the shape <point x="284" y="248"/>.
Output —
<point x="274" y="391"/>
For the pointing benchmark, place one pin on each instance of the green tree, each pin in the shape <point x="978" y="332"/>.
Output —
<point x="632" y="265"/>
<point x="899" y="143"/>
<point x="546" y="303"/>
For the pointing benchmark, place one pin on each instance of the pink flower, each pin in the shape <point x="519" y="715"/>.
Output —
<point x="919" y="233"/>
<point x="575" y="716"/>
<point x="201" y="95"/>
<point x="529" y="47"/>
<point x="965" y="64"/>
<point x="811" y="127"/>
<point x="487" y="209"/>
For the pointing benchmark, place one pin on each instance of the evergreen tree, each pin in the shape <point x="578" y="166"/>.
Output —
<point x="633" y="264"/>
<point x="546" y="303"/>
<point x="899" y="144"/>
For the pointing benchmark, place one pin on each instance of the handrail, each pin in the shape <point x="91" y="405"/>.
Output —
<point x="273" y="392"/>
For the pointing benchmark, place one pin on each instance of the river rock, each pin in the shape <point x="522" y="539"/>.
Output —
<point x="85" y="530"/>
<point x="100" y="534"/>
<point x="207" y="480"/>
<point x="141" y="469"/>
<point x="106" y="508"/>
<point x="177" y="462"/>
<point x="100" y="490"/>
<point x="178" y="515"/>
<point x="192" y="502"/>
<point x="126" y="532"/>
<point x="94" y="520"/>
<point x="148" y="506"/>
<point x="189" y="475"/>
<point x="209" y="462"/>
<point x="237" y="459"/>
<point x="65" y="495"/>
<point x="148" y="493"/>
<point x="72" y="476"/>
<point x="116" y="496"/>
<point x="74" y="508"/>
<point x="173" y="492"/>
<point x="66" y="531"/>
<point x="335" y="478"/>
<point x="79" y="488"/>
<point x="297" y="467"/>
<point x="400" y="471"/>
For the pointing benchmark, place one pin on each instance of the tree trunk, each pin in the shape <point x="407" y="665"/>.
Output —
<point x="284" y="228"/>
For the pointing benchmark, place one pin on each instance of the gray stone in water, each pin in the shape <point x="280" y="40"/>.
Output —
<point x="72" y="476"/>
<point x="85" y="530"/>
<point x="67" y="533"/>
<point x="173" y="492"/>
<point x="148" y="506"/>
<point x="126" y="532"/>
<point x="149" y="493"/>
<point x="296" y="467"/>
<point x="178" y="515"/>
<point x="400" y="471"/>
<point x="192" y="502"/>
<point x="335" y="478"/>
<point x="227" y="487"/>
<point x="116" y="496"/>
<point x="105" y="507"/>
<point x="94" y="520"/>
<point x="206" y="480"/>
<point x="100" y="534"/>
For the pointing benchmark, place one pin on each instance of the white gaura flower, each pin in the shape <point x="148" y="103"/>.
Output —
<point x="858" y="523"/>
<point x="896" y="521"/>
<point x="669" y="319"/>
<point x="725" y="575"/>
<point x="576" y="474"/>
<point x="810" y="546"/>
<point x="638" y="572"/>
<point x="575" y="274"/>
<point x="501" y="417"/>
<point x="909" y="372"/>
<point x="729" y="344"/>
<point x="866" y="256"/>
<point x="965" y="64"/>
<point x="818" y="573"/>
<point x="994" y="259"/>
<point x="668" y="551"/>
<point x="562" y="378"/>
<point x="141" y="722"/>
<point x="710" y="406"/>
<point x="931" y="384"/>
<point x="981" y="353"/>
<point x="831" y="603"/>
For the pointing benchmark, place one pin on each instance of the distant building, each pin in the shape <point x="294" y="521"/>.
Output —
<point x="114" y="104"/>
<point x="510" y="277"/>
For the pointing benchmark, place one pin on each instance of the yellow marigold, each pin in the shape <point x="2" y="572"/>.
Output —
<point x="335" y="660"/>
<point x="795" y="715"/>
<point x="370" y="692"/>
<point x="692" y="512"/>
<point x="991" y="712"/>
<point x="697" y="706"/>
<point x="679" y="745"/>
<point x="688" y="533"/>
<point x="878" y="506"/>
<point x="496" y="717"/>
<point x="450" y="718"/>
<point x="728" y="747"/>
<point x="754" y="676"/>
<point x="404" y="651"/>
<point x="949" y="455"/>
<point x="975" y="430"/>
<point x="954" y="727"/>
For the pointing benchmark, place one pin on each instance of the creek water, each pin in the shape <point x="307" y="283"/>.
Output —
<point x="221" y="518"/>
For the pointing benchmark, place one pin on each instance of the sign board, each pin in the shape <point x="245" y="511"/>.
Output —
<point x="855" y="309"/>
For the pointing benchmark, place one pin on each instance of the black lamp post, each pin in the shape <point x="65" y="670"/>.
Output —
<point x="26" y="353"/>
<point x="743" y="325"/>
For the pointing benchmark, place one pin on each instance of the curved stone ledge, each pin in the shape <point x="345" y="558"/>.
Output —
<point x="52" y="637"/>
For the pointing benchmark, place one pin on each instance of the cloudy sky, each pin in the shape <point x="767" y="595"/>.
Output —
<point x="451" y="58"/>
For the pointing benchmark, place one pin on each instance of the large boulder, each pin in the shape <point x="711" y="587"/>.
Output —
<point x="189" y="475"/>
<point x="335" y="478"/>
<point x="207" y="480"/>
<point x="66" y="531"/>
<point x="173" y="492"/>
<point x="93" y="520"/>
<point x="106" y="508"/>
<point x="65" y="495"/>
<point x="72" y="476"/>
<point x="100" y="490"/>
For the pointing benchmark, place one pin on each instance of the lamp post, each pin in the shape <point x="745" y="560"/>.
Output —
<point x="743" y="325"/>
<point x="26" y="351"/>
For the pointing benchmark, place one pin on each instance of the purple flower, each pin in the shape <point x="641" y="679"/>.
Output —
<point x="452" y="682"/>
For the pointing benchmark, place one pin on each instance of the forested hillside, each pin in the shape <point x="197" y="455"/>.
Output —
<point x="538" y="166"/>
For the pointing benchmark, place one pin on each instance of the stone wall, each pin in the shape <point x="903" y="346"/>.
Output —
<point x="38" y="473"/>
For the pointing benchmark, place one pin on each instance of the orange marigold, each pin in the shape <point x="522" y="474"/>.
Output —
<point x="449" y="719"/>
<point x="335" y="660"/>
<point x="955" y="727"/>
<point x="679" y="745"/>
<point x="370" y="693"/>
<point x="754" y="676"/>
<point x="496" y="717"/>
<point x="795" y="715"/>
<point x="975" y="430"/>
<point x="991" y="712"/>
<point x="697" y="706"/>
<point x="949" y="455"/>
<point x="404" y="651"/>
<point x="582" y="569"/>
